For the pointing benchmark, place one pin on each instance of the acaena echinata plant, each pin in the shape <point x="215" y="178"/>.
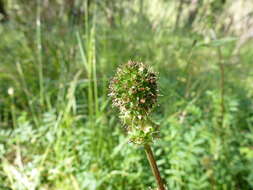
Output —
<point x="134" y="92"/>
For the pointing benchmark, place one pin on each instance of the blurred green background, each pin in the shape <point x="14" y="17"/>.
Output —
<point x="57" y="128"/>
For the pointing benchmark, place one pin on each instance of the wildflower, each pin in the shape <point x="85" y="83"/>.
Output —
<point x="134" y="92"/>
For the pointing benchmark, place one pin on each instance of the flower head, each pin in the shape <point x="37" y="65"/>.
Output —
<point x="134" y="92"/>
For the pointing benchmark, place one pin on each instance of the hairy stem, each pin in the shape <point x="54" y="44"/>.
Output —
<point x="154" y="167"/>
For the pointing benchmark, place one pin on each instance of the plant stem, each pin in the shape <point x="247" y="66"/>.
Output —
<point x="222" y="91"/>
<point x="179" y="11"/>
<point x="154" y="167"/>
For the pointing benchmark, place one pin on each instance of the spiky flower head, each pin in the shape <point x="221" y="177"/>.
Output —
<point x="134" y="92"/>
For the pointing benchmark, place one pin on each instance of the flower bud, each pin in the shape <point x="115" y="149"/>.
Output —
<point x="134" y="92"/>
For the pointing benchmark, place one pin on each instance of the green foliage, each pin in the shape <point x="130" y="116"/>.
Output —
<point x="57" y="129"/>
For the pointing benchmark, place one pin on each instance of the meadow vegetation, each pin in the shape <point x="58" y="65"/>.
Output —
<point x="58" y="130"/>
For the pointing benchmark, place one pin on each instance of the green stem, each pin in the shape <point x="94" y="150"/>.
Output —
<point x="154" y="167"/>
<point x="222" y="84"/>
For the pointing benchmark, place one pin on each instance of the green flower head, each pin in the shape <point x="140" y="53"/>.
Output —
<point x="134" y="92"/>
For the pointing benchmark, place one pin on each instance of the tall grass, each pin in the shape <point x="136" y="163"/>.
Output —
<point x="57" y="130"/>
